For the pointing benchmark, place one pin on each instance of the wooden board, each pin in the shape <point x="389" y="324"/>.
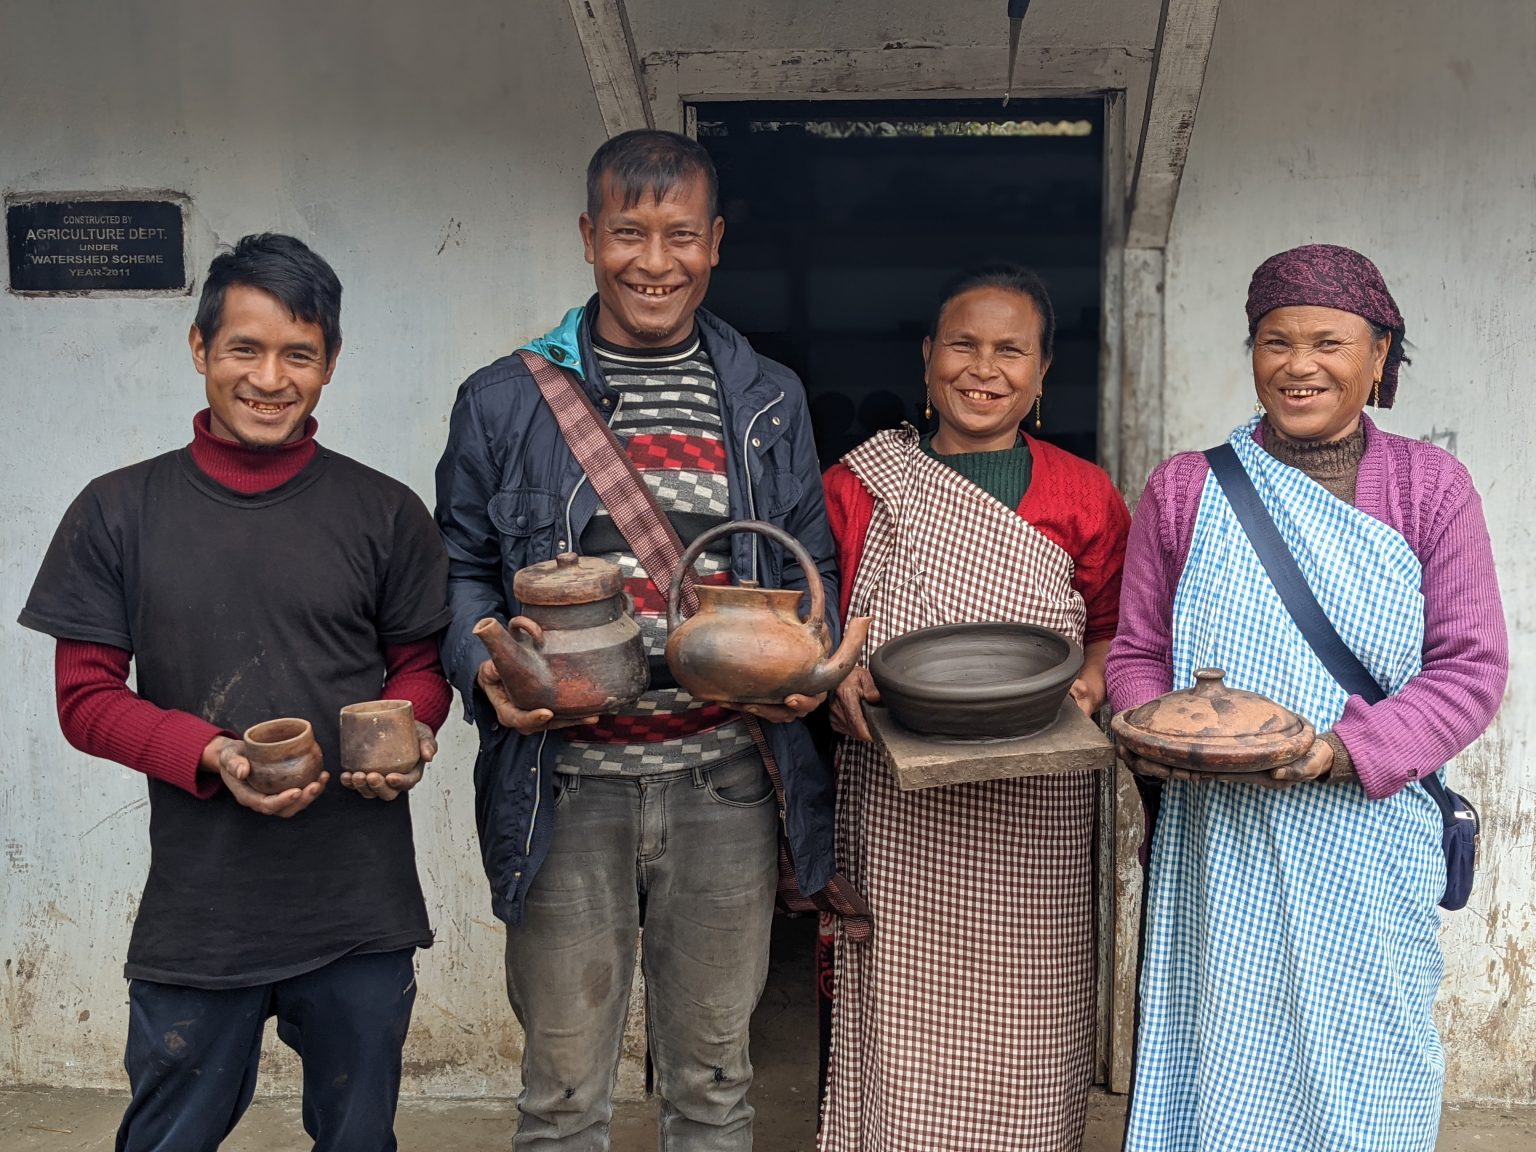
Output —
<point x="1073" y="743"/>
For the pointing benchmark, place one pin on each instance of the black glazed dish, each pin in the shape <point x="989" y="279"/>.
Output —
<point x="976" y="681"/>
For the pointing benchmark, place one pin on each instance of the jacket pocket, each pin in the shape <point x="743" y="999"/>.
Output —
<point x="524" y="519"/>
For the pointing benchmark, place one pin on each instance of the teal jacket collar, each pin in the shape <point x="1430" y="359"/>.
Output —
<point x="562" y="344"/>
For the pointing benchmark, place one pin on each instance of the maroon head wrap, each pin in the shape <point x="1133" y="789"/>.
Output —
<point x="1328" y="276"/>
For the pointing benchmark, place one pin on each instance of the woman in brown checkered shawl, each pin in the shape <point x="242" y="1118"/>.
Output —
<point x="968" y="1022"/>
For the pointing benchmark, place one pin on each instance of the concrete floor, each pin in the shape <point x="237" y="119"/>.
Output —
<point x="784" y="1092"/>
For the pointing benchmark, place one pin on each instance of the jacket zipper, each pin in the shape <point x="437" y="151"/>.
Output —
<point x="538" y="764"/>
<point x="746" y="439"/>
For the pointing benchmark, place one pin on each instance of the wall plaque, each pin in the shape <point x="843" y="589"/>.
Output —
<point x="95" y="245"/>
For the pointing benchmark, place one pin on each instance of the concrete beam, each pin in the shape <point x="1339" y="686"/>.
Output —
<point x="609" y="46"/>
<point x="1178" y="73"/>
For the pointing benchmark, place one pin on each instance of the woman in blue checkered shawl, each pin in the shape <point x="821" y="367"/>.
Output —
<point x="1291" y="956"/>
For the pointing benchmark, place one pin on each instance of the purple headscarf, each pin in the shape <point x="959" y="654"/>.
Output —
<point x="1328" y="276"/>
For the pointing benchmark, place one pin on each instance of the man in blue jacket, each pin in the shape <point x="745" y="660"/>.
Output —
<point x="662" y="815"/>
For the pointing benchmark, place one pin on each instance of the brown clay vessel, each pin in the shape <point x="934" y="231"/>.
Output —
<point x="1212" y="728"/>
<point x="979" y="680"/>
<point x="747" y="644"/>
<point x="577" y="649"/>
<point x="282" y="754"/>
<point x="379" y="736"/>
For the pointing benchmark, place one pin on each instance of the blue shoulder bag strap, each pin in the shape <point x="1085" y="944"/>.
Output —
<point x="1297" y="595"/>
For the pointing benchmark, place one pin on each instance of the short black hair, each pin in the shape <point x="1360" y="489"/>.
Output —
<point x="282" y="267"/>
<point x="649" y="160"/>
<point x="1013" y="278"/>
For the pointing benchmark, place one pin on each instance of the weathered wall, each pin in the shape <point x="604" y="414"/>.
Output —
<point x="1403" y="130"/>
<point x="437" y="163"/>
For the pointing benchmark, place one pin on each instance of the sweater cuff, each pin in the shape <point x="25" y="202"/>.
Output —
<point x="1378" y="766"/>
<point x="175" y="749"/>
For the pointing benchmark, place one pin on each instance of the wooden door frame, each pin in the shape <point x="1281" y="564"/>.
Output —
<point x="1158" y="91"/>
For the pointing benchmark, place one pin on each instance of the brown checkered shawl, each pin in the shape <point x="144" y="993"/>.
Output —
<point x="968" y="1022"/>
<point x="655" y="542"/>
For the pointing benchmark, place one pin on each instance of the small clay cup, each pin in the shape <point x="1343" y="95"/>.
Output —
<point x="282" y="754"/>
<point x="379" y="736"/>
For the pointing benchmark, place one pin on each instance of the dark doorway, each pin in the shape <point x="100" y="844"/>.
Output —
<point x="844" y="219"/>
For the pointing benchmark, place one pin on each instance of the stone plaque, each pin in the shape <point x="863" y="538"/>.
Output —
<point x="95" y="245"/>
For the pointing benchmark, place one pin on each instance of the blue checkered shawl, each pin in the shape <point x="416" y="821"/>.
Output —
<point x="1291" y="955"/>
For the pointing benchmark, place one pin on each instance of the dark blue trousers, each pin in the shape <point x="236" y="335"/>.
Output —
<point x="192" y="1055"/>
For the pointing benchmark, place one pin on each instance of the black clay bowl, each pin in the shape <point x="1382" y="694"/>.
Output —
<point x="976" y="681"/>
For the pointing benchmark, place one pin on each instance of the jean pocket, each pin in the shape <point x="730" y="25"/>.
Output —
<point x="565" y="786"/>
<point x="739" y="782"/>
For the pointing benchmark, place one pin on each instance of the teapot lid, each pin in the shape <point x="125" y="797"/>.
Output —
<point x="568" y="579"/>
<point x="1214" y="727"/>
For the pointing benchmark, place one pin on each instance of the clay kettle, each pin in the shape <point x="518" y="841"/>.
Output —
<point x="747" y="644"/>
<point x="577" y="651"/>
<point x="1212" y="728"/>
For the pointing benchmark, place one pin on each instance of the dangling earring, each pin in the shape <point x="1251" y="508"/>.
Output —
<point x="928" y="407"/>
<point x="1376" y="393"/>
<point x="1038" y="395"/>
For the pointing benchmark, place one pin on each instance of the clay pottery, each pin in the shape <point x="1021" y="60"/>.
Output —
<point x="379" y="736"/>
<point x="976" y="681"/>
<point x="747" y="644"/>
<point x="1214" y="729"/>
<point x="577" y="649"/>
<point x="282" y="754"/>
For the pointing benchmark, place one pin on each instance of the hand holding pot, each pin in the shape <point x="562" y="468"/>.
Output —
<point x="384" y="748"/>
<point x="857" y="688"/>
<point x="509" y="715"/>
<point x="226" y="756"/>
<point x="795" y="707"/>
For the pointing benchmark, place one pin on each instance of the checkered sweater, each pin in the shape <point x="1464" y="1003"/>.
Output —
<point x="668" y="417"/>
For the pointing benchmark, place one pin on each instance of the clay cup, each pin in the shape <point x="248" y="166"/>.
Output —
<point x="379" y="736"/>
<point x="282" y="754"/>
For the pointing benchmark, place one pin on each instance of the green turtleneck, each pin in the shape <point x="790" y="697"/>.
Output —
<point x="1003" y="474"/>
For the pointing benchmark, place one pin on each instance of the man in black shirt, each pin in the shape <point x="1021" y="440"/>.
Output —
<point x="251" y="575"/>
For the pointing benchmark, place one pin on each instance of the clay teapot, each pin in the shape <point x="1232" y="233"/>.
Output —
<point x="747" y="644"/>
<point x="282" y="754"/>
<point x="1215" y="729"/>
<point x="578" y="651"/>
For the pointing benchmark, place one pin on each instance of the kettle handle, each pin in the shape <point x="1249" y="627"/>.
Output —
<point x="815" y="618"/>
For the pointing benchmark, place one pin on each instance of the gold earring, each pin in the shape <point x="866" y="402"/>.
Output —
<point x="1038" y="395"/>
<point x="928" y="406"/>
<point x="1376" y="393"/>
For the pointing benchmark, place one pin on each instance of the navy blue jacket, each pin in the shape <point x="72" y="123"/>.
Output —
<point x="509" y="494"/>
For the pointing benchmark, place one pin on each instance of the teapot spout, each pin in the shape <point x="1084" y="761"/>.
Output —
<point x="829" y="672"/>
<point x="519" y="663"/>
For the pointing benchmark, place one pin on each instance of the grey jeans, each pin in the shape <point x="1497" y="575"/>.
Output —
<point x="692" y="858"/>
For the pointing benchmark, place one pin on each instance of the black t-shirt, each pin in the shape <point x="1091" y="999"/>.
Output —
<point x="241" y="608"/>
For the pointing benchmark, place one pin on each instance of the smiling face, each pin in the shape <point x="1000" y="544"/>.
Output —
<point x="264" y="369"/>
<point x="652" y="262"/>
<point x="1313" y="370"/>
<point x="984" y="369"/>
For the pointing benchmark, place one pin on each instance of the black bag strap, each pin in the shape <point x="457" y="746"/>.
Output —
<point x="1296" y="594"/>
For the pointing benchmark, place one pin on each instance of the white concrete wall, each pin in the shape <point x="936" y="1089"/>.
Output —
<point x="1402" y="129"/>
<point x="434" y="157"/>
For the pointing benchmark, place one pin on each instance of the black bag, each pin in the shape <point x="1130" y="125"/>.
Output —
<point x="1460" y="825"/>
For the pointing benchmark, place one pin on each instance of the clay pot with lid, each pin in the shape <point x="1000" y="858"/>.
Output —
<point x="1211" y="728"/>
<point x="747" y="644"/>
<point x="576" y="650"/>
<point x="282" y="754"/>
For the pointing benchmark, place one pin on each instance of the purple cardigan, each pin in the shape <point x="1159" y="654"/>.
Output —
<point x="1425" y="494"/>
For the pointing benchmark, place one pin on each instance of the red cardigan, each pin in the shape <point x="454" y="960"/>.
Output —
<point x="1071" y="501"/>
